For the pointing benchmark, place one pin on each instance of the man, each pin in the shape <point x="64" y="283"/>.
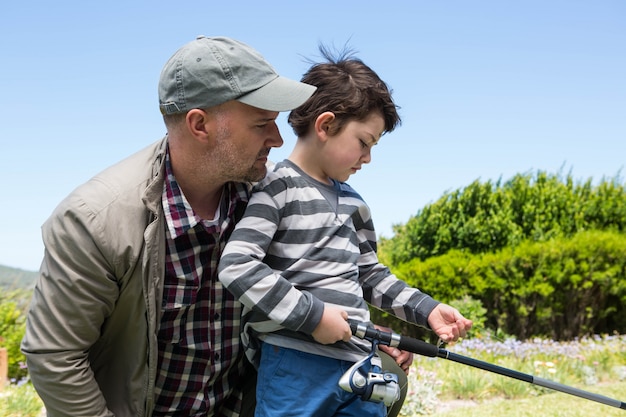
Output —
<point x="128" y="317"/>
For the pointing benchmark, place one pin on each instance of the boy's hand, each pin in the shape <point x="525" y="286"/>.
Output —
<point x="448" y="323"/>
<point x="333" y="326"/>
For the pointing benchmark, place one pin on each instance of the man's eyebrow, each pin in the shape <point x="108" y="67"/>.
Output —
<point x="265" y="118"/>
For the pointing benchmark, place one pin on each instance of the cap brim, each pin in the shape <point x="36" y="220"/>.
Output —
<point x="280" y="94"/>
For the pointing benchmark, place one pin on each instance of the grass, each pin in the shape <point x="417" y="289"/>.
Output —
<point x="554" y="404"/>
<point x="596" y="365"/>
<point x="20" y="401"/>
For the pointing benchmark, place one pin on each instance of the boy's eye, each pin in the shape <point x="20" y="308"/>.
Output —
<point x="363" y="144"/>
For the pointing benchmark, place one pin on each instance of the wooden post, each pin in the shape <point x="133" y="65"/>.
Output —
<point x="4" y="367"/>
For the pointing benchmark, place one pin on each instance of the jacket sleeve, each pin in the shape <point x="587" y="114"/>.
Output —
<point x="253" y="282"/>
<point x="73" y="296"/>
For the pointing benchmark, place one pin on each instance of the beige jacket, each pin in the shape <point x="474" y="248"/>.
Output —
<point x="91" y="334"/>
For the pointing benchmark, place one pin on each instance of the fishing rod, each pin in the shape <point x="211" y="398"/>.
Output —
<point x="363" y="331"/>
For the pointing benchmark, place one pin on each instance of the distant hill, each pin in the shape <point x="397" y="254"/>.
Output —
<point x="14" y="278"/>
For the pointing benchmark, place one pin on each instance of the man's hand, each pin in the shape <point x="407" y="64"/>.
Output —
<point x="333" y="326"/>
<point x="403" y="358"/>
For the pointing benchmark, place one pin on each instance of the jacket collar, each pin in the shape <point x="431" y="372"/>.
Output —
<point x="152" y="195"/>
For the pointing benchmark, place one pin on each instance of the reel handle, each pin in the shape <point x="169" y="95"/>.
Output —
<point x="363" y="331"/>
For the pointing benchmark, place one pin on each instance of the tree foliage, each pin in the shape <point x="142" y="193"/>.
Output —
<point x="485" y="217"/>
<point x="545" y="255"/>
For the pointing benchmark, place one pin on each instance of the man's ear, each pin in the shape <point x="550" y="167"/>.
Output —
<point x="323" y="125"/>
<point x="198" y="123"/>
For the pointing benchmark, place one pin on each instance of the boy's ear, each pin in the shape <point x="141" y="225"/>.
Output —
<point x="323" y="124"/>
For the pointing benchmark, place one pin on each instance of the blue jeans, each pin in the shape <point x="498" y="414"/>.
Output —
<point x="299" y="384"/>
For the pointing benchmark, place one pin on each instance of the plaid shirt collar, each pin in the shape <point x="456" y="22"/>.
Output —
<point x="180" y="216"/>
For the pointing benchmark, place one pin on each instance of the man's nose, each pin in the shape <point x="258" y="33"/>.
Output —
<point x="274" y="140"/>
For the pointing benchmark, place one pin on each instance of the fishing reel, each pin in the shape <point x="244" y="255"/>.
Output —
<point x="371" y="386"/>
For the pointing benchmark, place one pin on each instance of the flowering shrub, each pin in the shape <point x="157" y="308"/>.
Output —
<point x="424" y="388"/>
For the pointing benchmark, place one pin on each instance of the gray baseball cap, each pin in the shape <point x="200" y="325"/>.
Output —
<point x="211" y="71"/>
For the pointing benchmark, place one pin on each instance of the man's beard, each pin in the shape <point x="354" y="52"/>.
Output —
<point x="255" y="174"/>
<point x="235" y="170"/>
<point x="258" y="173"/>
<point x="230" y="162"/>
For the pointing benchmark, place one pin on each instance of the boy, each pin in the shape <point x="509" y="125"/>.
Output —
<point x="303" y="258"/>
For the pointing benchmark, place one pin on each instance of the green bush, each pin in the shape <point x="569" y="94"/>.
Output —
<point x="486" y="217"/>
<point x="560" y="288"/>
<point x="12" y="329"/>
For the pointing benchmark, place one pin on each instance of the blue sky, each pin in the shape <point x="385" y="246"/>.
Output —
<point x="487" y="89"/>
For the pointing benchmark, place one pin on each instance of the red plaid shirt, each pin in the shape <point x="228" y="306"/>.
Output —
<point x="200" y="357"/>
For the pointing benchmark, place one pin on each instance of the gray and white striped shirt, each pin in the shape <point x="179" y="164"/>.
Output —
<point x="302" y="244"/>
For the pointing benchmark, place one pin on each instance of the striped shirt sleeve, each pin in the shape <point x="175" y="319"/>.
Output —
<point x="243" y="270"/>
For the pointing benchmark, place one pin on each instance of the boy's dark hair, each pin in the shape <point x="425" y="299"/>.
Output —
<point x="348" y="88"/>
